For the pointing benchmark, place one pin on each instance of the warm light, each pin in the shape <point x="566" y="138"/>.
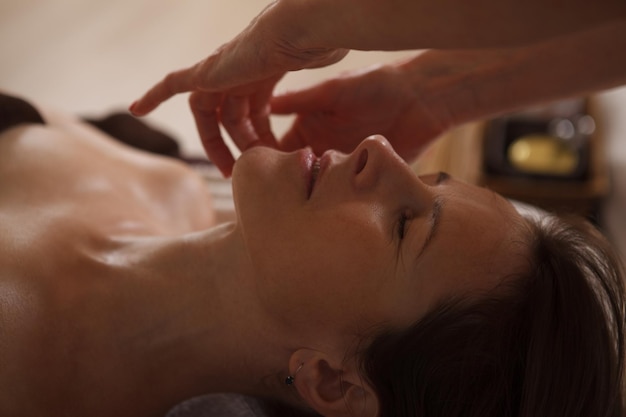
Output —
<point x="542" y="154"/>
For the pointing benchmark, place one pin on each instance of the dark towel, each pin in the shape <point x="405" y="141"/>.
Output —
<point x="16" y="111"/>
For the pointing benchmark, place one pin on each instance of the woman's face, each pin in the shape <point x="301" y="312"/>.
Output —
<point x="359" y="238"/>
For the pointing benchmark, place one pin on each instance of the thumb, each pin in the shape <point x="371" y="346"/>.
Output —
<point x="302" y="101"/>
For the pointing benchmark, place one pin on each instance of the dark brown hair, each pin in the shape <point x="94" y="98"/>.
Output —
<point x="548" y="343"/>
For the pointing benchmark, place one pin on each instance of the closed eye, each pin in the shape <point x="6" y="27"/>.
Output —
<point x="403" y="221"/>
<point x="435" y="179"/>
<point x="442" y="177"/>
<point x="406" y="215"/>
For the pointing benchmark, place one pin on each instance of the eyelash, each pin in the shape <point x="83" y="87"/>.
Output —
<point x="404" y="219"/>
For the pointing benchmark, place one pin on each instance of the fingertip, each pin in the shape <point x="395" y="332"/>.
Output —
<point x="138" y="108"/>
<point x="220" y="155"/>
<point x="280" y="105"/>
<point x="227" y="173"/>
<point x="133" y="108"/>
<point x="226" y="170"/>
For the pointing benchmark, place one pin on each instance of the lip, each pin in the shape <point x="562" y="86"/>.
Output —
<point x="307" y="162"/>
<point x="323" y="162"/>
<point x="307" y="158"/>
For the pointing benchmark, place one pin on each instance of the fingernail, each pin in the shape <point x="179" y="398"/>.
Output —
<point x="131" y="108"/>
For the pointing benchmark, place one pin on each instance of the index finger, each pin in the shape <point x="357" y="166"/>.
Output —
<point x="174" y="83"/>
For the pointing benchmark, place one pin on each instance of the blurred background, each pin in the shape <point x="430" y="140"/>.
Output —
<point x="91" y="57"/>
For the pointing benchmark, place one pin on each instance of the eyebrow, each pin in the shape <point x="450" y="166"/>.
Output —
<point x="435" y="215"/>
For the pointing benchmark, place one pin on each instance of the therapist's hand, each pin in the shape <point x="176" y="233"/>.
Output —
<point x="410" y="102"/>
<point x="340" y="112"/>
<point x="232" y="87"/>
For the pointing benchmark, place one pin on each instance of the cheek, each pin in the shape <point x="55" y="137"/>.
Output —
<point x="336" y="269"/>
<point x="305" y="240"/>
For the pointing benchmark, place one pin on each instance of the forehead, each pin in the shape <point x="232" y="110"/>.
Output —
<point x="477" y="207"/>
<point x="480" y="221"/>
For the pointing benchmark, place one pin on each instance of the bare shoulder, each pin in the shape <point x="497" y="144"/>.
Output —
<point x="73" y="163"/>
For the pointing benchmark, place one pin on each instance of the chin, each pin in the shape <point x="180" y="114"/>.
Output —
<point x="261" y="190"/>
<point x="263" y="173"/>
<point x="253" y="168"/>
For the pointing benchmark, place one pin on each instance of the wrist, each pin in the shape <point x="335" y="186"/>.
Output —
<point x="334" y="24"/>
<point x="459" y="86"/>
<point x="297" y="32"/>
<point x="301" y="22"/>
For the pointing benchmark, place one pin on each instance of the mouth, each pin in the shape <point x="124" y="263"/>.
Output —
<point x="318" y="168"/>
<point x="315" y="170"/>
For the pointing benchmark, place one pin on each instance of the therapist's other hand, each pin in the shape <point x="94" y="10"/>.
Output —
<point x="340" y="112"/>
<point x="232" y="87"/>
<point x="410" y="102"/>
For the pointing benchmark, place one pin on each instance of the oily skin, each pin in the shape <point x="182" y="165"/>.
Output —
<point x="336" y="259"/>
<point x="121" y="267"/>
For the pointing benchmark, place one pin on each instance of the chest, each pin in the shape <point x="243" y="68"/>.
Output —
<point x="49" y="176"/>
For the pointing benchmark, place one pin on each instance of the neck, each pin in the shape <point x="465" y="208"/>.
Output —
<point x="198" y="328"/>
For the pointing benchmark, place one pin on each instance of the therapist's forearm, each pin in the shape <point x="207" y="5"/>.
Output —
<point x="424" y="24"/>
<point x="467" y="85"/>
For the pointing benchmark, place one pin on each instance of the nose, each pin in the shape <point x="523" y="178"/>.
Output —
<point x="375" y="160"/>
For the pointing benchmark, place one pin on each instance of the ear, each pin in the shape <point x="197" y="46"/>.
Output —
<point x="330" y="387"/>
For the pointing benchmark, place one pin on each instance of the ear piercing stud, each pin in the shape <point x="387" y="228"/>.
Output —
<point x="292" y="378"/>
